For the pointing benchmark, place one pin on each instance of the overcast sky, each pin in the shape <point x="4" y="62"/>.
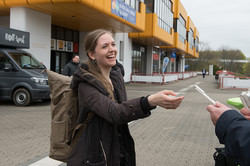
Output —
<point x="222" y="23"/>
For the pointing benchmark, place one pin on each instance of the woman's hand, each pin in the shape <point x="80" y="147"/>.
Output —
<point x="246" y="113"/>
<point x="163" y="99"/>
<point x="216" y="111"/>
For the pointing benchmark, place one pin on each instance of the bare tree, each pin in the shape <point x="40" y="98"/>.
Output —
<point x="224" y="58"/>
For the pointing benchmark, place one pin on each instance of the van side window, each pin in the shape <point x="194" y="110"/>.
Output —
<point x="26" y="61"/>
<point x="3" y="59"/>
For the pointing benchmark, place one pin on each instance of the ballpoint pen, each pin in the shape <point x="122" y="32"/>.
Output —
<point x="204" y="94"/>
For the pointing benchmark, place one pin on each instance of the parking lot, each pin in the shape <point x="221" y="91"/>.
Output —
<point x="184" y="136"/>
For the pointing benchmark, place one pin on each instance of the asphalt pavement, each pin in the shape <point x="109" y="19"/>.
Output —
<point x="184" y="136"/>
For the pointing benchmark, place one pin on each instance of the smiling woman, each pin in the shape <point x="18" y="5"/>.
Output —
<point x="101" y="89"/>
<point x="105" y="53"/>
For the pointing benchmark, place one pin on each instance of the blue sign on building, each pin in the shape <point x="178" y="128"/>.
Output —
<point x="121" y="9"/>
<point x="173" y="55"/>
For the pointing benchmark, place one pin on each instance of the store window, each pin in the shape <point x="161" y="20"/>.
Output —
<point x="138" y="59"/>
<point x="59" y="33"/>
<point x="156" y="60"/>
<point x="75" y="36"/>
<point x="191" y="38"/>
<point x="64" y="44"/>
<point x="68" y="35"/>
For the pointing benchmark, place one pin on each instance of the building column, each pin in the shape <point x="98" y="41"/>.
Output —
<point x="149" y="60"/>
<point x="82" y="52"/>
<point x="211" y="70"/>
<point x="39" y="26"/>
<point x="181" y="64"/>
<point x="174" y="65"/>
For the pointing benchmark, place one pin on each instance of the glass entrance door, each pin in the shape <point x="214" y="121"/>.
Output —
<point x="59" y="60"/>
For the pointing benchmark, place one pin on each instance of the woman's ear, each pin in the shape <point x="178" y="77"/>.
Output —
<point x="91" y="55"/>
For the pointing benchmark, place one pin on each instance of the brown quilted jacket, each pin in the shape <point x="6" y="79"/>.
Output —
<point x="107" y="140"/>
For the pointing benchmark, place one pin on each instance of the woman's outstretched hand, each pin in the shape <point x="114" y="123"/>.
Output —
<point x="165" y="99"/>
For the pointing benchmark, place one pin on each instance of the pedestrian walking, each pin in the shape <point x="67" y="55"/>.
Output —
<point x="204" y="72"/>
<point x="71" y="67"/>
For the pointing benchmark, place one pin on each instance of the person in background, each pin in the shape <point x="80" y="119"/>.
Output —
<point x="232" y="130"/>
<point x="203" y="72"/>
<point x="71" y="67"/>
<point x="101" y="89"/>
<point x="121" y="67"/>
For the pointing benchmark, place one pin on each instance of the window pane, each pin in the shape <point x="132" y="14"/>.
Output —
<point x="127" y="2"/>
<point x="181" y="29"/>
<point x="165" y="14"/>
<point x="133" y="4"/>
<point x="75" y="36"/>
<point x="59" y="33"/>
<point x="191" y="38"/>
<point x="68" y="35"/>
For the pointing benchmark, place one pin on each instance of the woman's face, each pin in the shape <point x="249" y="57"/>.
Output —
<point x="105" y="52"/>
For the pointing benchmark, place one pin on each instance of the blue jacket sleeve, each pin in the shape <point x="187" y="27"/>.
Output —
<point x="233" y="130"/>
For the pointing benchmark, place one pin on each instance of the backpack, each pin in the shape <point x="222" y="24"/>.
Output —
<point x="222" y="159"/>
<point x="64" y="113"/>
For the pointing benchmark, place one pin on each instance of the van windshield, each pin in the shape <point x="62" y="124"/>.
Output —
<point x="26" y="61"/>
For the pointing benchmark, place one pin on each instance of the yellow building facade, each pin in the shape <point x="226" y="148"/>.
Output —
<point x="145" y="31"/>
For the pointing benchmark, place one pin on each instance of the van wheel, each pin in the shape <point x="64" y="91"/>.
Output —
<point x="22" y="97"/>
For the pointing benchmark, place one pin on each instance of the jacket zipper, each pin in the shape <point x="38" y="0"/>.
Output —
<point x="105" y="157"/>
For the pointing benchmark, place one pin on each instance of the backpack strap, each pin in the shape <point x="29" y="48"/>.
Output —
<point x="82" y="128"/>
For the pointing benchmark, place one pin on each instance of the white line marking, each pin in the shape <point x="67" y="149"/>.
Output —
<point x="189" y="87"/>
<point x="46" y="161"/>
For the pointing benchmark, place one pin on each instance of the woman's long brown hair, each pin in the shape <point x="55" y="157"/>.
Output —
<point x="90" y="44"/>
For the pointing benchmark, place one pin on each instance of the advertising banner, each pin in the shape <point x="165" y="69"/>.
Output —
<point x="155" y="57"/>
<point x="121" y="9"/>
<point x="165" y="63"/>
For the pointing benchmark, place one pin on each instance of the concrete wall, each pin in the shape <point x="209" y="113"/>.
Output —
<point x="39" y="26"/>
<point x="127" y="53"/>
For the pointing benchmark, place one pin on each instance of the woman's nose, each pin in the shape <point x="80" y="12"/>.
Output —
<point x="112" y="48"/>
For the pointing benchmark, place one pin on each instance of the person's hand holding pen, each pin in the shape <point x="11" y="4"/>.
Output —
<point x="246" y="113"/>
<point x="216" y="110"/>
<point x="164" y="99"/>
